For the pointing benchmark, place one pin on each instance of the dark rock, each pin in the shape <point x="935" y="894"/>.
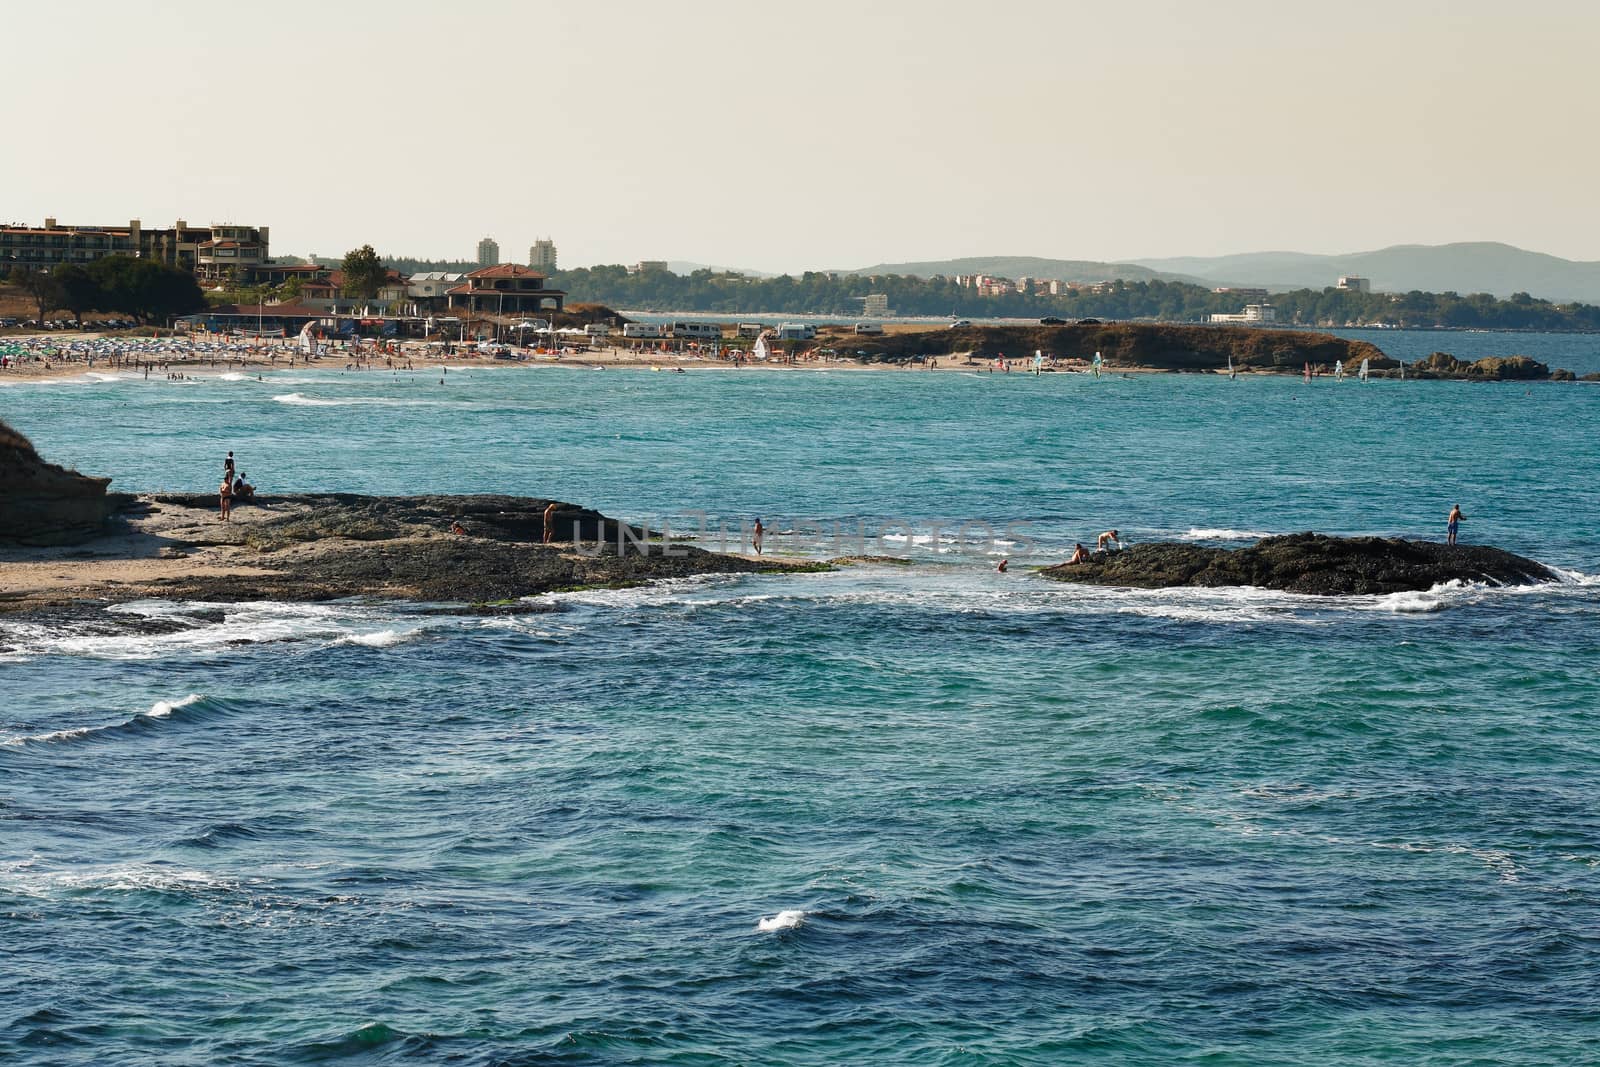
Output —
<point x="43" y="504"/>
<point x="1160" y="346"/>
<point x="1490" y="368"/>
<point x="1306" y="563"/>
<point x="400" y="548"/>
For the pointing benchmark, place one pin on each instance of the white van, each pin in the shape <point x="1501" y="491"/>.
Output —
<point x="868" y="328"/>
<point x="641" y="329"/>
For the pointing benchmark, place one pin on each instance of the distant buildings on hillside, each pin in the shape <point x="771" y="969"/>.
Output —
<point x="992" y="285"/>
<point x="1252" y="315"/>
<point x="488" y="252"/>
<point x="1355" y="283"/>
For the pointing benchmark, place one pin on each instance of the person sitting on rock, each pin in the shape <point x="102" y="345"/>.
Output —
<point x="1079" y="554"/>
<point x="457" y="529"/>
<point x="242" y="490"/>
<point x="1110" y="537"/>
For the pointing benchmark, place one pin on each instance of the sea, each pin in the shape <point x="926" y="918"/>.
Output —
<point x="895" y="813"/>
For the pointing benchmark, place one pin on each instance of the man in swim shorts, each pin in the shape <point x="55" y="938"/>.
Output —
<point x="1453" y="524"/>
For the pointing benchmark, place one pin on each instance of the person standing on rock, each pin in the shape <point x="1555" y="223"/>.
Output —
<point x="1453" y="524"/>
<point x="227" y="467"/>
<point x="550" y="522"/>
<point x="225" y="493"/>
<point x="758" y="532"/>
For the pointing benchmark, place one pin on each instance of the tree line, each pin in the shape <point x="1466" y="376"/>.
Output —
<point x="841" y="294"/>
<point x="142" y="289"/>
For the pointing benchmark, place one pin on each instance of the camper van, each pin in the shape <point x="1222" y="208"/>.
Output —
<point x="699" y="331"/>
<point x="641" y="329"/>
<point x="597" y="329"/>
<point x="796" y="331"/>
<point x="868" y="328"/>
<point x="752" y="329"/>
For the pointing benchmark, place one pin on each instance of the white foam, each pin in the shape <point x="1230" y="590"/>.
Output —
<point x="25" y="878"/>
<point x="784" y="920"/>
<point x="162" y="708"/>
<point x="232" y="376"/>
<point x="1412" y="602"/>
<point x="302" y="400"/>
<point x="379" y="638"/>
<point x="256" y="622"/>
<point x="1220" y="533"/>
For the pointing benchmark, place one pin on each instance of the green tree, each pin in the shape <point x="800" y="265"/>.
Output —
<point x="79" y="290"/>
<point x="42" y="287"/>
<point x="364" y="273"/>
<point x="147" y="290"/>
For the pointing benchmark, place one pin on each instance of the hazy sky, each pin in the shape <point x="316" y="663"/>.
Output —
<point x="786" y="136"/>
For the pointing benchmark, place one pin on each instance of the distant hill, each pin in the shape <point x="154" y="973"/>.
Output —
<point x="1468" y="267"/>
<point x="1067" y="270"/>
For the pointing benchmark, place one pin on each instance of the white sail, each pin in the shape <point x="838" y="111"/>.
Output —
<point x="1363" y="370"/>
<point x="760" y="351"/>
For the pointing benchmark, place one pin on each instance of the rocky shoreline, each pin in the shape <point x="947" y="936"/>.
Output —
<point x="1305" y="563"/>
<point x="319" y="547"/>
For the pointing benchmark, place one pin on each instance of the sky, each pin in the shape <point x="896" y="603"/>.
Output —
<point x="786" y="136"/>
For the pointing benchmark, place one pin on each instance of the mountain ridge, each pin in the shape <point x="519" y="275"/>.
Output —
<point x="1462" y="267"/>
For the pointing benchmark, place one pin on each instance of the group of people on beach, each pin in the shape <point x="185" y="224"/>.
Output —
<point x="233" y="489"/>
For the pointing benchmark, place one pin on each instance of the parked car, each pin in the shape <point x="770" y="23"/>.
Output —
<point x="959" y="323"/>
<point x="1051" y="320"/>
<point x="1089" y="322"/>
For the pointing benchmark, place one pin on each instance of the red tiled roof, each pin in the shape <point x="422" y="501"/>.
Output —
<point x="507" y="270"/>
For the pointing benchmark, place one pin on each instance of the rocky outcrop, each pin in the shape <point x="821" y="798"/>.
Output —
<point x="1490" y="368"/>
<point x="1306" y="563"/>
<point x="328" y="546"/>
<point x="1155" y="346"/>
<point x="43" y="504"/>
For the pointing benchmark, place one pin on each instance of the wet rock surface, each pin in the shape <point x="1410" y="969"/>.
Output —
<point x="1305" y="563"/>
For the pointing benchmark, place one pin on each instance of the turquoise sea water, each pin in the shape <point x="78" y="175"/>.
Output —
<point x="1011" y="822"/>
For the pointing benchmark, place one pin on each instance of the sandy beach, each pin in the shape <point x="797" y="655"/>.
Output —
<point x="229" y="357"/>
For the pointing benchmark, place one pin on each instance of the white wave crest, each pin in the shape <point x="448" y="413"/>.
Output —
<point x="1220" y="533"/>
<point x="162" y="708"/>
<point x="302" y="400"/>
<point x="1412" y="602"/>
<point x="784" y="920"/>
<point x="379" y="638"/>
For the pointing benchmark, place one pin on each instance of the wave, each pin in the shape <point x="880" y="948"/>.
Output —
<point x="161" y="709"/>
<point x="379" y="638"/>
<point x="192" y="628"/>
<point x="1220" y="533"/>
<point x="302" y="400"/>
<point x="784" y="920"/>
